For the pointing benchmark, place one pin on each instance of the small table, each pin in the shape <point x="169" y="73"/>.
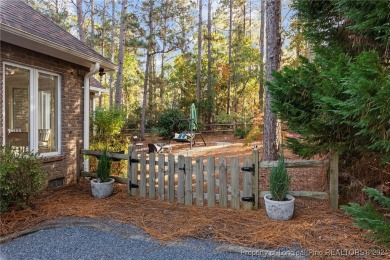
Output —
<point x="139" y="146"/>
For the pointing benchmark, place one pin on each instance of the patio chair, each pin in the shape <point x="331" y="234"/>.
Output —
<point x="44" y="138"/>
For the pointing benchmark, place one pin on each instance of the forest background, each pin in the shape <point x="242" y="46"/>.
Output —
<point x="169" y="56"/>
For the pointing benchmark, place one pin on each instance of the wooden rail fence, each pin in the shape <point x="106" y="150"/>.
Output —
<point x="203" y="181"/>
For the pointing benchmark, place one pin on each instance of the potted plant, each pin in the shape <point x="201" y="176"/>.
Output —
<point x="103" y="186"/>
<point x="278" y="204"/>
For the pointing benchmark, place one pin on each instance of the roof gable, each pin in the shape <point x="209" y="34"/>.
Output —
<point x="18" y="18"/>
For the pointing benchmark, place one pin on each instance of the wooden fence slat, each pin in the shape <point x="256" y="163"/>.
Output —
<point x="130" y="150"/>
<point x="211" y="182"/>
<point x="199" y="181"/>
<point x="223" y="199"/>
<point x="255" y="177"/>
<point x="188" y="181"/>
<point x="161" y="176"/>
<point x="248" y="184"/>
<point x="235" y="188"/>
<point x="171" y="177"/>
<point x="180" y="181"/>
<point x="296" y="163"/>
<point x="334" y="180"/>
<point x="152" y="176"/>
<point x="142" y="181"/>
<point x="134" y="173"/>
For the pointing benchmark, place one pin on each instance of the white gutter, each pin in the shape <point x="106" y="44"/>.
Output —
<point x="93" y="70"/>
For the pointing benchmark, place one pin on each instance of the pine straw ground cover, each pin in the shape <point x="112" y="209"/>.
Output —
<point x="312" y="228"/>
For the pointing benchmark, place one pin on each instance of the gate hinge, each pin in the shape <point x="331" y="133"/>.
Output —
<point x="183" y="168"/>
<point x="249" y="169"/>
<point x="249" y="199"/>
<point x="132" y="185"/>
<point x="134" y="161"/>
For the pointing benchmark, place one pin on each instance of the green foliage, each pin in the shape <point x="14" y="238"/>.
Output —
<point x="279" y="181"/>
<point x="108" y="121"/>
<point x="22" y="177"/>
<point x="369" y="218"/>
<point x="241" y="132"/>
<point x="103" y="169"/>
<point x="254" y="134"/>
<point x="336" y="102"/>
<point x="169" y="122"/>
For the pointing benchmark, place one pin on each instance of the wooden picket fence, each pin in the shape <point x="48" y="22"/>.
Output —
<point x="203" y="181"/>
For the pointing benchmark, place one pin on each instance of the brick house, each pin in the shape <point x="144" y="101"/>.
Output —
<point x="45" y="94"/>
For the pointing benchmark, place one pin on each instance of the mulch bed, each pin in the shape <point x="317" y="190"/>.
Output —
<point x="313" y="227"/>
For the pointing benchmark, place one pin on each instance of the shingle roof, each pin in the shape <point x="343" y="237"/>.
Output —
<point x="20" y="16"/>
<point x="96" y="86"/>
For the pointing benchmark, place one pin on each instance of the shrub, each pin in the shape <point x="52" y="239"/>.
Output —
<point x="108" y="121"/>
<point x="103" y="169"/>
<point x="168" y="122"/>
<point x="253" y="135"/>
<point x="108" y="135"/>
<point x="22" y="177"/>
<point x="241" y="132"/>
<point x="369" y="218"/>
<point x="279" y="181"/>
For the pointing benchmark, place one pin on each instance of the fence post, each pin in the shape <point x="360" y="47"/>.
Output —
<point x="334" y="180"/>
<point x="79" y="157"/>
<point x="130" y="151"/>
<point x="255" y="177"/>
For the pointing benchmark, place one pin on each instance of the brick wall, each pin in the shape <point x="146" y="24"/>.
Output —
<point x="72" y="79"/>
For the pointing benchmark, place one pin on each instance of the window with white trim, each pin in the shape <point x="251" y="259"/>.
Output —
<point x="31" y="109"/>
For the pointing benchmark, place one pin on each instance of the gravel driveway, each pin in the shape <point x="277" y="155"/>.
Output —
<point x="88" y="239"/>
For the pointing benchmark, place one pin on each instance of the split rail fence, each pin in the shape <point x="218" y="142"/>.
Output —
<point x="203" y="181"/>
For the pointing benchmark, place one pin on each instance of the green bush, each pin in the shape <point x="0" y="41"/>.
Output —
<point x="241" y="132"/>
<point x="168" y="122"/>
<point x="279" y="181"/>
<point x="108" y="124"/>
<point x="369" y="218"/>
<point x="108" y="121"/>
<point x="103" y="169"/>
<point x="254" y="134"/>
<point x="22" y="177"/>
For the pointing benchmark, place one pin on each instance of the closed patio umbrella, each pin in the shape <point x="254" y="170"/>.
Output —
<point x="193" y="118"/>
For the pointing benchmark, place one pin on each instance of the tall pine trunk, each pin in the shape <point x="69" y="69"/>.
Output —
<point x="273" y="11"/>
<point x="80" y="20"/>
<point x="112" y="50"/>
<point x="121" y="54"/>
<point x="147" y="70"/>
<point x="198" y="68"/>
<point x="92" y="38"/>
<point x="210" y="95"/>
<point x="230" y="54"/>
<point x="261" y="89"/>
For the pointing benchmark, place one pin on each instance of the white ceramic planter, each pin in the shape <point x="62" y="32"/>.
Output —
<point x="101" y="190"/>
<point x="279" y="210"/>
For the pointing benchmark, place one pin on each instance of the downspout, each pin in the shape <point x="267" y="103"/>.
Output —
<point x="93" y="70"/>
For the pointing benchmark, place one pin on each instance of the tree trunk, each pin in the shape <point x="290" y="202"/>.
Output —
<point x="103" y="27"/>
<point x="143" y="114"/>
<point x="121" y="54"/>
<point x="210" y="101"/>
<point x="230" y="54"/>
<point x="273" y="11"/>
<point x="92" y="38"/>
<point x="80" y="20"/>
<point x="261" y="89"/>
<point x="147" y="72"/>
<point x="112" y="50"/>
<point x="198" y="68"/>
